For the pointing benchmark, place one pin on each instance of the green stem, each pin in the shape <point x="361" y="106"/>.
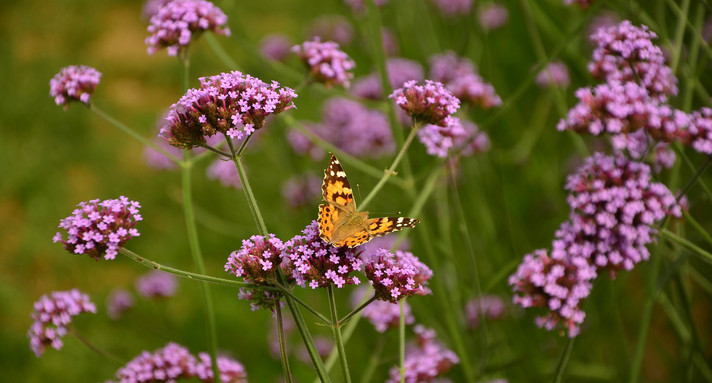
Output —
<point x="93" y="347"/>
<point x="220" y="51"/>
<point x="215" y="150"/>
<point x="288" y="293"/>
<point x="133" y="134"/>
<point x="703" y="254"/>
<point x="697" y="226"/>
<point x="401" y="340"/>
<point x="391" y="170"/>
<point x="425" y="192"/>
<point x="247" y="189"/>
<point x="321" y="371"/>
<point x="355" y="311"/>
<point x="563" y="361"/>
<point x="373" y="361"/>
<point x="336" y="331"/>
<point x="282" y="344"/>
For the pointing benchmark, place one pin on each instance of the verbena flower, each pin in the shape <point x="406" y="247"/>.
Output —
<point x="605" y="19"/>
<point x="385" y="242"/>
<point x="425" y="360"/>
<point x="460" y="77"/>
<point x="448" y="66"/>
<point x="316" y="263"/>
<point x="493" y="16"/>
<point x="74" y="83"/>
<point x="358" y="6"/>
<point x="473" y="142"/>
<point x="257" y="260"/>
<point x="583" y="4"/>
<point x="276" y="47"/>
<point x="331" y="28"/>
<point x="626" y="53"/>
<point x="159" y="161"/>
<point x="118" y="302"/>
<point x="554" y="74"/>
<point x="225" y="172"/>
<point x="452" y="8"/>
<point x="157" y="284"/>
<point x="52" y="315"/>
<point x="382" y="315"/>
<point x="641" y="146"/>
<point x="179" y="22"/>
<point x="151" y="7"/>
<point x="301" y="190"/>
<point x="440" y="140"/>
<point x="99" y="228"/>
<point x="558" y="282"/>
<point x="396" y="276"/>
<point x="326" y="62"/>
<point x="399" y="70"/>
<point x="230" y="103"/>
<point x="430" y="103"/>
<point x="231" y="371"/>
<point x="167" y="364"/>
<point x="700" y="131"/>
<point x="489" y="307"/>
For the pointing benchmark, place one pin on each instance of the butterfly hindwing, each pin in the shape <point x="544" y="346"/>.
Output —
<point x="335" y="188"/>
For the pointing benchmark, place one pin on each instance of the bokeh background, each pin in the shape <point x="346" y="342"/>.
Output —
<point x="511" y="198"/>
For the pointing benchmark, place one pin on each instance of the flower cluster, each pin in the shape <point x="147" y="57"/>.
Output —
<point x="462" y="80"/>
<point x="493" y="16"/>
<point x="430" y="103"/>
<point x="554" y="74"/>
<point x="156" y="285"/>
<point x="52" y="315"/>
<point x="396" y="276"/>
<point x="489" y="307"/>
<point x="174" y="362"/>
<point x="700" y="131"/>
<point x="118" y="302"/>
<point x="399" y="71"/>
<point x="74" y="83"/>
<point x="231" y="103"/>
<point x="326" y="62"/>
<point x="99" y="228"/>
<point x="179" y="21"/>
<point x="275" y="47"/>
<point x="425" y="360"/>
<point x="332" y="28"/>
<point x="301" y="190"/>
<point x="316" y="263"/>
<point x="225" y="172"/>
<point x="452" y="8"/>
<point x="626" y="53"/>
<point x="462" y="136"/>
<point x="382" y="315"/>
<point x="257" y="260"/>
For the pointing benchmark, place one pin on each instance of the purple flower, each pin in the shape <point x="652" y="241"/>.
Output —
<point x="52" y="316"/>
<point x="461" y="79"/>
<point x="448" y="66"/>
<point x="627" y="53"/>
<point x="425" y="360"/>
<point x="583" y="4"/>
<point x="74" y="83"/>
<point x="429" y="104"/>
<point x="167" y="364"/>
<point x="326" y="62"/>
<point x="231" y="371"/>
<point x="301" y="190"/>
<point x="331" y="28"/>
<point x="257" y="260"/>
<point x="157" y="284"/>
<point x="473" y="142"/>
<point x="230" y="103"/>
<point x="99" y="228"/>
<point x="151" y="7"/>
<point x="452" y="8"/>
<point x="159" y="161"/>
<point x="440" y="140"/>
<point x="554" y="74"/>
<point x="493" y="16"/>
<point x="180" y="21"/>
<point x="260" y="299"/>
<point x="605" y="19"/>
<point x="225" y="172"/>
<point x="316" y="263"/>
<point x="489" y="307"/>
<point x="400" y="71"/>
<point x="382" y="315"/>
<point x="639" y="146"/>
<point x="118" y="302"/>
<point x="275" y="47"/>
<point x="700" y="131"/>
<point x="385" y="242"/>
<point x="396" y="276"/>
<point x="358" y="6"/>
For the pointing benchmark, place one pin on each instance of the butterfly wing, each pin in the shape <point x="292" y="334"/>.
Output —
<point x="335" y="188"/>
<point x="328" y="219"/>
<point x="376" y="227"/>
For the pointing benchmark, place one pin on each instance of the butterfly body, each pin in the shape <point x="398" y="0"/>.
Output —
<point x="340" y="223"/>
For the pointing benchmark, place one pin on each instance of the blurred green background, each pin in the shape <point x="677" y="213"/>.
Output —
<point x="512" y="198"/>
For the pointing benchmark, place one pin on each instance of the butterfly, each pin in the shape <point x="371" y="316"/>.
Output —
<point x="340" y="224"/>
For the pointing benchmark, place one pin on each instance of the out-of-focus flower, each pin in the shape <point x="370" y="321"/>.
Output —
<point x="583" y="4"/>
<point x="151" y="7"/>
<point x="382" y="315"/>
<point x="396" y="276"/>
<point x="448" y="66"/>
<point x="390" y="42"/>
<point x="430" y="103"/>
<point x="554" y="74"/>
<point x="326" y="62"/>
<point x="473" y="142"/>
<point x="118" y="302"/>
<point x="385" y="242"/>
<point x="604" y="19"/>
<point x="316" y="263"/>
<point x="440" y="140"/>
<point x="99" y="228"/>
<point x="331" y="28"/>
<point x="425" y="360"/>
<point x="52" y="315"/>
<point x="276" y="47"/>
<point x="323" y="345"/>
<point x="74" y="83"/>
<point x="157" y="284"/>
<point x="231" y="371"/>
<point x="452" y="8"/>
<point x="230" y="103"/>
<point x="489" y="307"/>
<point x="178" y="22"/>
<point x="225" y="172"/>
<point x="460" y="77"/>
<point x="358" y="6"/>
<point x="641" y="146"/>
<point x="700" y="131"/>
<point x="400" y="71"/>
<point x="493" y="16"/>
<point x="301" y="190"/>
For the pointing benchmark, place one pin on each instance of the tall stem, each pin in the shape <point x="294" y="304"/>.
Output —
<point x="563" y="361"/>
<point x="336" y="331"/>
<point x="282" y="344"/>
<point x="93" y="347"/>
<point x="401" y="340"/>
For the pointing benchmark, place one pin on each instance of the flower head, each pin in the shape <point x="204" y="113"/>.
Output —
<point x="396" y="276"/>
<point x="326" y="62"/>
<point x="118" y="302"/>
<point x="332" y="28"/>
<point x="400" y="71"/>
<point x="382" y="315"/>
<point x="440" y="140"/>
<point x="489" y="307"/>
<point x="257" y="260"/>
<point x="99" y="228"/>
<point x="231" y="371"/>
<point x="425" y="360"/>
<point x="448" y="66"/>
<point x="700" y="131"/>
<point x="167" y="364"/>
<point x="460" y="77"/>
<point x="493" y="16"/>
<point x="554" y="74"/>
<point x="316" y="263"/>
<point x="430" y="103"/>
<point x="275" y="47"/>
<point x="452" y="8"/>
<point x="225" y="172"/>
<point x="157" y="284"/>
<point x="301" y="190"/>
<point x="230" y="103"/>
<point x="52" y="316"/>
<point x="178" y="22"/>
<point x="74" y="83"/>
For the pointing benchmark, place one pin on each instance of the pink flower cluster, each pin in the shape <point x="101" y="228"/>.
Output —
<point x="461" y="137"/>
<point x="399" y="71"/>
<point x="396" y="276"/>
<point x="174" y="362"/>
<point x="301" y="190"/>
<point x="554" y="74"/>
<point x="700" y="131"/>
<point x="331" y="28"/>
<point x="425" y="360"/>
<point x="52" y="316"/>
<point x="231" y="103"/>
<point x="382" y="315"/>
<point x="178" y="22"/>
<point x="99" y="228"/>
<point x="430" y="103"/>
<point x="462" y="80"/>
<point x="326" y="62"/>
<point x="156" y="285"/>
<point x="493" y="16"/>
<point x="74" y="83"/>
<point x="257" y="260"/>
<point x="489" y="307"/>
<point x="275" y="47"/>
<point x="118" y="302"/>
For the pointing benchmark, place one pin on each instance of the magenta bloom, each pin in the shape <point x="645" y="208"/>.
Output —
<point x="474" y="141"/>
<point x="74" y="83"/>
<point x="493" y="16"/>
<point x="275" y="47"/>
<point x="448" y="66"/>
<point x="178" y="22"/>
<point x="157" y="284"/>
<point x="640" y="146"/>
<point x="462" y="137"/>
<point x="429" y="104"/>
<point x="399" y="70"/>
<point x="167" y="364"/>
<point x="230" y="103"/>
<point x="118" y="302"/>
<point x="700" y="131"/>
<point x="316" y="263"/>
<point x="396" y="276"/>
<point x="489" y="307"/>
<point x="627" y="53"/>
<point x="257" y="260"/>
<point x="554" y="74"/>
<point x="382" y="315"/>
<point x="302" y="190"/>
<point x="331" y="28"/>
<point x="231" y="371"/>
<point x="52" y="316"/>
<point x="461" y="79"/>
<point x="99" y="228"/>
<point x="326" y="62"/>
<point x="452" y="8"/>
<point x="225" y="172"/>
<point x="425" y="360"/>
